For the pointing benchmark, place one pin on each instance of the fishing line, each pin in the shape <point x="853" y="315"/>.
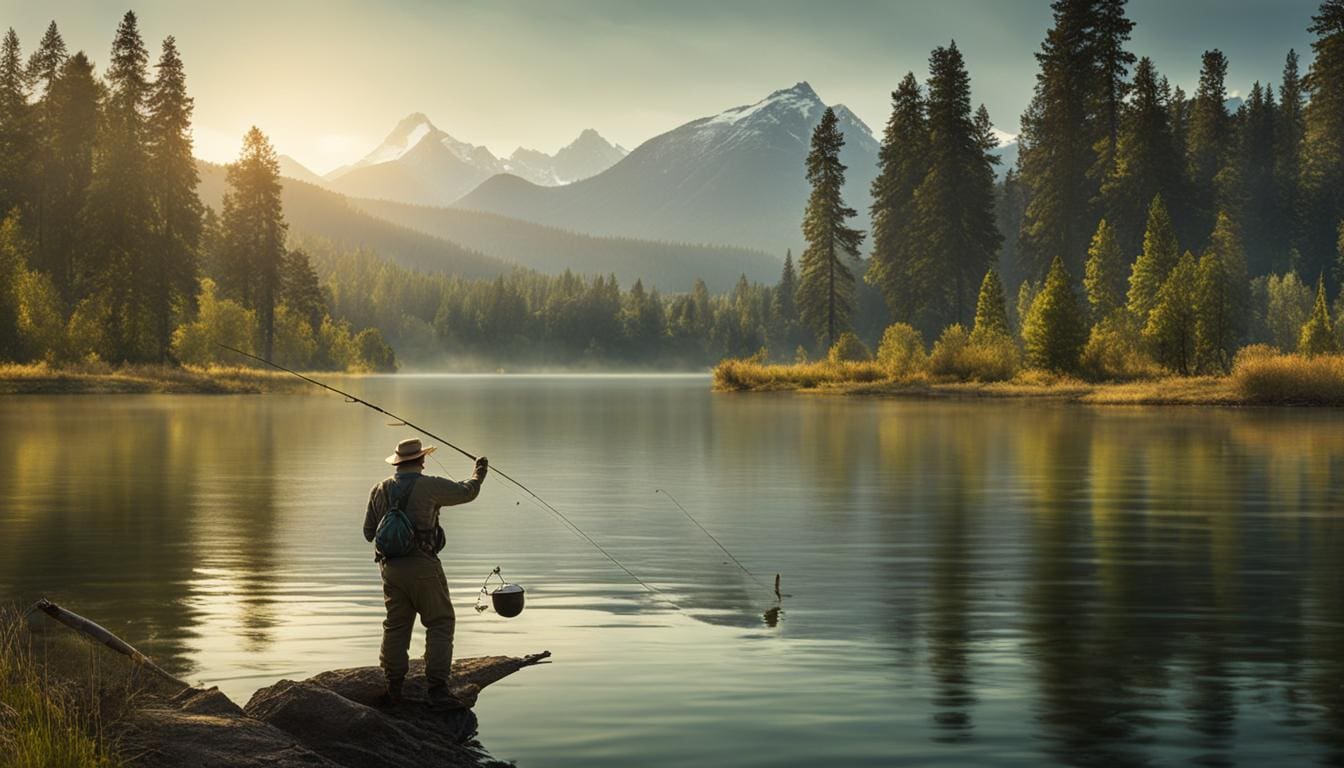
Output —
<point x="690" y="517"/>
<point x="353" y="399"/>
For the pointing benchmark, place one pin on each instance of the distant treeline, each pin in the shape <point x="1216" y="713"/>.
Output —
<point x="1186" y="226"/>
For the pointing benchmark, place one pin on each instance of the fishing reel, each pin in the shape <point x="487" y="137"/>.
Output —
<point x="506" y="598"/>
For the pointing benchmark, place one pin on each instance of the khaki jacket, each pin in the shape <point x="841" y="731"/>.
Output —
<point x="430" y="493"/>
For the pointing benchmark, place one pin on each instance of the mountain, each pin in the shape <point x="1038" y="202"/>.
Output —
<point x="668" y="266"/>
<point x="735" y="178"/>
<point x="588" y="155"/>
<point x="293" y="169"/>
<point x="313" y="211"/>
<point x="1007" y="153"/>
<point x="418" y="163"/>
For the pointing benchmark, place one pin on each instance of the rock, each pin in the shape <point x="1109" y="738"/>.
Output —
<point x="167" y="737"/>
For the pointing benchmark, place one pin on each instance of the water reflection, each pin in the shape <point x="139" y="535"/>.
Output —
<point x="966" y="581"/>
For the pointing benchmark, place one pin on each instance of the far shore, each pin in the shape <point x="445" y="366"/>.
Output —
<point x="1258" y="379"/>
<point x="98" y="379"/>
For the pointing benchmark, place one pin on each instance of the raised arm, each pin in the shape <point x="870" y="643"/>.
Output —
<point x="449" y="492"/>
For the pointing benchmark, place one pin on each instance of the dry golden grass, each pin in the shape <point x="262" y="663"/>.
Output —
<point x="45" y="723"/>
<point x="1277" y="379"/>
<point x="100" y="378"/>
<point x="872" y="379"/>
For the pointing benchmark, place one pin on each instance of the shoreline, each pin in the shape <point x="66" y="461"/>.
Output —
<point x="1187" y="391"/>
<point x="42" y="379"/>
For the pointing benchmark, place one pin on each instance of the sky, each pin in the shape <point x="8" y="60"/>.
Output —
<point x="326" y="81"/>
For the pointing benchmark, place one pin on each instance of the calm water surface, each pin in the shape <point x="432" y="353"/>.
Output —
<point x="967" y="583"/>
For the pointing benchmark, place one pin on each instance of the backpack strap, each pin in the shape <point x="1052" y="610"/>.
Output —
<point x="404" y="496"/>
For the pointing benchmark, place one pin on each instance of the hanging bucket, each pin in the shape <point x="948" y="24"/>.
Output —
<point x="506" y="599"/>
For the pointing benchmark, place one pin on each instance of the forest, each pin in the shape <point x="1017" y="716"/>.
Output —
<point x="1143" y="231"/>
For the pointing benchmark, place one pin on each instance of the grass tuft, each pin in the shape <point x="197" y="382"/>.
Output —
<point x="45" y="723"/>
<point x="1278" y="379"/>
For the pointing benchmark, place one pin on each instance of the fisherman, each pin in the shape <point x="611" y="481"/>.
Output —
<point x="415" y="584"/>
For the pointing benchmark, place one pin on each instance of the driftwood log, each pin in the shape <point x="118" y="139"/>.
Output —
<point x="336" y="718"/>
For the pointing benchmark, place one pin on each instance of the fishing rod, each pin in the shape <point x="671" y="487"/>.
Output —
<point x="361" y="401"/>
<point x="690" y="517"/>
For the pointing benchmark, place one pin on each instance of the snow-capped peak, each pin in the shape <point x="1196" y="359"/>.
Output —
<point x="800" y="98"/>
<point x="401" y="140"/>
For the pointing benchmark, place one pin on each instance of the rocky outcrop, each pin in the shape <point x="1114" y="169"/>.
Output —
<point x="331" y="720"/>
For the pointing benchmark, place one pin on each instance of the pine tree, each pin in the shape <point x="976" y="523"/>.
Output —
<point x="1289" y="129"/>
<point x="1110" y="33"/>
<point x="827" y="285"/>
<point x="253" y="228"/>
<point x="13" y="261"/>
<point x="120" y="206"/>
<point x="896" y="263"/>
<point x="955" y="202"/>
<point x="1160" y="254"/>
<point x="1057" y="144"/>
<point x="1207" y="145"/>
<point x="1222" y="299"/>
<point x="784" y="307"/>
<point x="1170" y="328"/>
<point x="1147" y="160"/>
<point x="1104" y="280"/>
<point x="1318" y="334"/>
<point x="1323" y="142"/>
<point x="71" y="134"/>
<point x="1054" y="329"/>
<point x="17" y="140"/>
<point x="44" y="66"/>
<point x="1009" y="208"/>
<point x="301" y="291"/>
<point x="177" y="224"/>
<point x="991" y="311"/>
<point x="1266" y="241"/>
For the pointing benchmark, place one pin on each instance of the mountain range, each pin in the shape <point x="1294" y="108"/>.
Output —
<point x="734" y="178"/>
<point x="422" y="164"/>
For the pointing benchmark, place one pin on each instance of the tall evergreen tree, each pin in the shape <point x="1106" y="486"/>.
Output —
<point x="955" y="202"/>
<point x="1111" y="31"/>
<point x="1054" y="329"/>
<point x="1323" y="142"/>
<point x="44" y="67"/>
<point x="896" y="266"/>
<point x="1259" y="199"/>
<point x="177" y="222"/>
<point x="991" y="311"/>
<point x="254" y="228"/>
<point x="68" y="169"/>
<point x="1207" y="147"/>
<point x="1222" y="298"/>
<point x="1289" y="130"/>
<point x="17" y="140"/>
<point x="1056" y="147"/>
<point x="1160" y="254"/>
<point x="1170" y="329"/>
<point x="1105" y="276"/>
<point x="784" y="308"/>
<point x="301" y="291"/>
<point x="827" y="286"/>
<point x="1147" y="160"/>
<point x="121" y="208"/>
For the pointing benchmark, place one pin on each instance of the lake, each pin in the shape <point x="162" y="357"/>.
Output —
<point x="965" y="583"/>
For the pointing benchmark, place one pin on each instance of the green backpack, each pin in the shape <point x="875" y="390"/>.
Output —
<point x="395" y="536"/>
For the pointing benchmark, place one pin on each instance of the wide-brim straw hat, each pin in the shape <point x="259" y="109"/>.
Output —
<point x="409" y="450"/>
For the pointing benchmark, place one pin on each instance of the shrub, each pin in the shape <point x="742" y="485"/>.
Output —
<point x="1114" y="352"/>
<point x="991" y="357"/>
<point x="1277" y="379"/>
<point x="848" y="349"/>
<point x="901" y="351"/>
<point x="1318" y="333"/>
<point x="945" y="359"/>
<point x="219" y="321"/>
